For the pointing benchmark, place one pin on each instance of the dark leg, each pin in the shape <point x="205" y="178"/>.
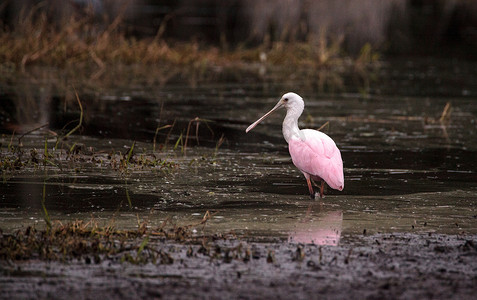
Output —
<point x="310" y="187"/>
<point x="314" y="179"/>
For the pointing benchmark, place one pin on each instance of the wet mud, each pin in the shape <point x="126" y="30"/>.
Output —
<point x="390" y="266"/>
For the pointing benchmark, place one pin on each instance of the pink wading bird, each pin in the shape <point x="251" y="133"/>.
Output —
<point x="314" y="153"/>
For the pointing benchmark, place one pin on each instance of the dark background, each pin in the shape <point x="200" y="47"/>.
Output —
<point x="395" y="27"/>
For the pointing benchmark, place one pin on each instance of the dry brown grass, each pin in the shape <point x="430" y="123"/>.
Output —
<point x="34" y="40"/>
<point x="94" y="56"/>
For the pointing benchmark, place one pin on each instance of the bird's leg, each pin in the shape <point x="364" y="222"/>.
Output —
<point x="310" y="186"/>
<point x="321" y="187"/>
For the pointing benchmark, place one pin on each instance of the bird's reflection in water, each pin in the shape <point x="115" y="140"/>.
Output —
<point x="318" y="227"/>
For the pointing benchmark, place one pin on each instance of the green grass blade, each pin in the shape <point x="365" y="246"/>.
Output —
<point x="179" y="140"/>
<point x="47" y="216"/>
<point x="130" y="153"/>
<point x="143" y="244"/>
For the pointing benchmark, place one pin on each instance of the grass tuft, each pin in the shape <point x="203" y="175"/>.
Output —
<point x="82" y="240"/>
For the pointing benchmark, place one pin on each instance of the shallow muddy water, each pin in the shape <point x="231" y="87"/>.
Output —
<point x="405" y="171"/>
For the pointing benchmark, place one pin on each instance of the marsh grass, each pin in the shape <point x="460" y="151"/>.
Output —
<point x="81" y="43"/>
<point x="15" y="158"/>
<point x="197" y="121"/>
<point x="80" y="122"/>
<point x="63" y="151"/>
<point x="82" y="240"/>
<point x="46" y="216"/>
<point x="78" y="41"/>
<point x="66" y="152"/>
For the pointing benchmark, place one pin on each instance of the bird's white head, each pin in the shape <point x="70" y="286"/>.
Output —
<point x="290" y="101"/>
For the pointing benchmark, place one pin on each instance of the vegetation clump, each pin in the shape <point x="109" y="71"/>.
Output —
<point x="78" y="156"/>
<point x="81" y="239"/>
<point x="89" y="242"/>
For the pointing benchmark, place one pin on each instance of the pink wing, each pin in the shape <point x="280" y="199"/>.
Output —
<point x="317" y="154"/>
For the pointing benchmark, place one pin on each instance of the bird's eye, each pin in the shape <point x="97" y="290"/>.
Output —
<point x="286" y="99"/>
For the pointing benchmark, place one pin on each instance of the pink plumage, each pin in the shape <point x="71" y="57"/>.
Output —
<point x="314" y="153"/>
<point x="318" y="156"/>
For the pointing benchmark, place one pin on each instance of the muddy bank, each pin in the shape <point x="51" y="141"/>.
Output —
<point x="391" y="266"/>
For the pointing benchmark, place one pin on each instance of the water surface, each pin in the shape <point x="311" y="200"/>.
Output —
<point x="405" y="169"/>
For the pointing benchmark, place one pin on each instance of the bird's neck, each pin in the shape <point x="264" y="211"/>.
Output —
<point x="290" y="123"/>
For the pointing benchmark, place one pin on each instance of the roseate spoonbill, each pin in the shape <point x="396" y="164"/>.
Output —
<point x="314" y="153"/>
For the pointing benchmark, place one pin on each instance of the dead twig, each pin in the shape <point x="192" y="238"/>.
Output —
<point x="197" y="121"/>
<point x="169" y="134"/>
<point x="30" y="131"/>
<point x="327" y="125"/>
<point x="155" y="135"/>
<point x="80" y="120"/>
<point x="446" y="113"/>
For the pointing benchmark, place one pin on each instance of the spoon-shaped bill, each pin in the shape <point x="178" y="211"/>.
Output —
<point x="252" y="126"/>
